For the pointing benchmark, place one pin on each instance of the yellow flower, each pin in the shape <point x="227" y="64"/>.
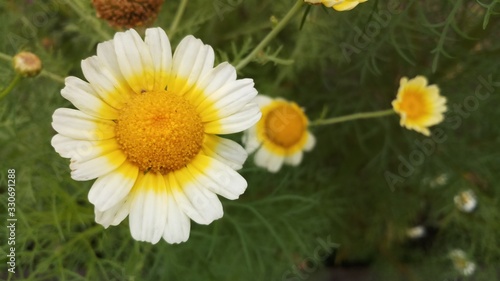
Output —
<point x="339" y="5"/>
<point x="146" y="127"/>
<point x="419" y="105"/>
<point x="280" y="136"/>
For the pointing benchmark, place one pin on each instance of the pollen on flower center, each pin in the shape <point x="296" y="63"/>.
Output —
<point x="285" y="124"/>
<point x="413" y="104"/>
<point x="159" y="131"/>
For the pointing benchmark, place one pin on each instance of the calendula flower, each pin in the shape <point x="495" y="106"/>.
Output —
<point x="466" y="201"/>
<point x="461" y="263"/>
<point x="419" y="105"/>
<point x="146" y="127"/>
<point x="339" y="5"/>
<point x="280" y="136"/>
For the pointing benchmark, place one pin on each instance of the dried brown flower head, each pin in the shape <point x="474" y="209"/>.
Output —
<point x="127" y="13"/>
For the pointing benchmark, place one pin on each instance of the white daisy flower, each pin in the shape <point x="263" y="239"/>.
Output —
<point x="280" y="136"/>
<point x="146" y="128"/>
<point x="461" y="263"/>
<point x="466" y="201"/>
<point x="416" y="232"/>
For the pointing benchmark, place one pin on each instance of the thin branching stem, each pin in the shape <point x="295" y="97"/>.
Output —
<point x="355" y="116"/>
<point x="270" y="36"/>
<point x="177" y="18"/>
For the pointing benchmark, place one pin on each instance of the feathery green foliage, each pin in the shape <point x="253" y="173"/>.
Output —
<point x="332" y="64"/>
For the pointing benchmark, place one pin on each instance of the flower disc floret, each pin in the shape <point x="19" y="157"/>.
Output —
<point x="159" y="131"/>
<point x="285" y="124"/>
<point x="281" y="136"/>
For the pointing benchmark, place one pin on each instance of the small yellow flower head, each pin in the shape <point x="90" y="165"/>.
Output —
<point x="461" y="263"/>
<point x="339" y="5"/>
<point x="466" y="201"/>
<point x="127" y="13"/>
<point x="419" y="105"/>
<point x="27" y="64"/>
<point x="281" y="136"/>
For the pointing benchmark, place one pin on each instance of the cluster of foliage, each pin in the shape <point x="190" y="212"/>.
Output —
<point x="339" y="201"/>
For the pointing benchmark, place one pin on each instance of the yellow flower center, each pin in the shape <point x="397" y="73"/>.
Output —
<point x="285" y="124"/>
<point x="413" y="104"/>
<point x="159" y="131"/>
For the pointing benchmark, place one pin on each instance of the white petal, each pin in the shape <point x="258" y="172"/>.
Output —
<point x="217" y="177"/>
<point x="112" y="188"/>
<point x="225" y="150"/>
<point x="242" y="120"/>
<point x="200" y="204"/>
<point x="96" y="167"/>
<point x="311" y="142"/>
<point x="104" y="82"/>
<point x="83" y="97"/>
<point x="78" y="125"/>
<point x="82" y="150"/>
<point x="204" y="200"/>
<point x="217" y="77"/>
<point x="135" y="60"/>
<point x="161" y="54"/>
<point x="250" y="140"/>
<point x="183" y="202"/>
<point x="178" y="223"/>
<point x="266" y="159"/>
<point x="148" y="208"/>
<point x="262" y="100"/>
<point x="275" y="163"/>
<point x="227" y="100"/>
<point x="114" y="215"/>
<point x="294" y="159"/>
<point x="192" y="60"/>
<point x="107" y="55"/>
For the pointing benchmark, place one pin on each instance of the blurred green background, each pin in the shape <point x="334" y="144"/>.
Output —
<point x="335" y="214"/>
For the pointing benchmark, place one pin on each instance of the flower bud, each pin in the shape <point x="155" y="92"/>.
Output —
<point x="27" y="64"/>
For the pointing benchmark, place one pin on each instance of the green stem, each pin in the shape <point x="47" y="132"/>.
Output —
<point x="92" y="21"/>
<point x="345" y="118"/>
<point x="11" y="86"/>
<point x="177" y="18"/>
<point x="270" y="36"/>
<point x="5" y="57"/>
<point x="52" y="76"/>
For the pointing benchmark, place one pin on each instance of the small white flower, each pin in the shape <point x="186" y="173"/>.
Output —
<point x="461" y="263"/>
<point x="281" y="135"/>
<point x="416" y="232"/>
<point x="439" y="180"/>
<point x="466" y="201"/>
